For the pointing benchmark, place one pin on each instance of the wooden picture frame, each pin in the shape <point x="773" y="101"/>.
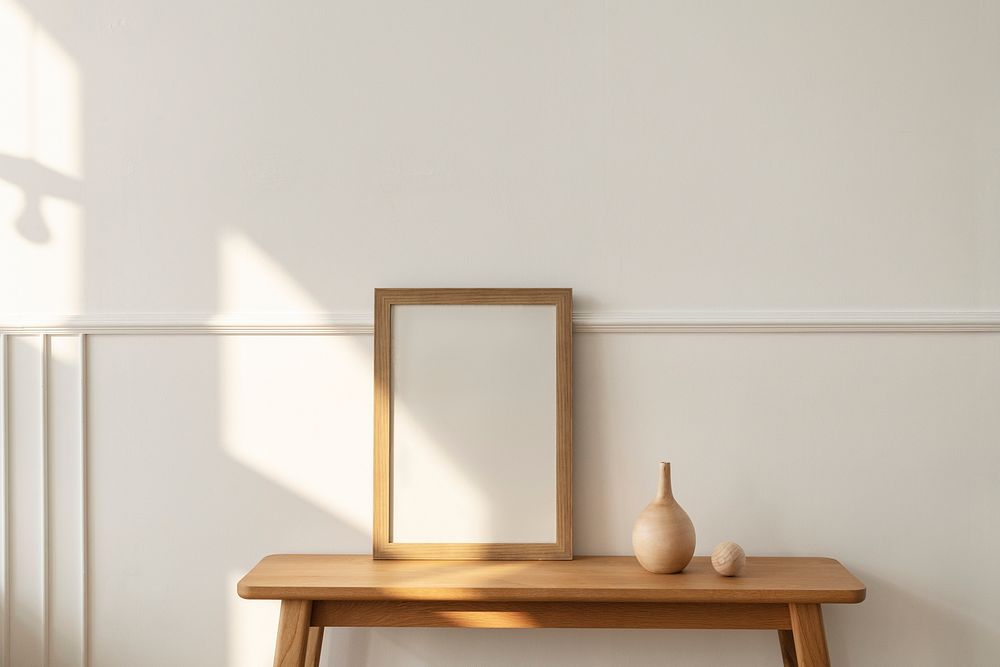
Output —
<point x="384" y="547"/>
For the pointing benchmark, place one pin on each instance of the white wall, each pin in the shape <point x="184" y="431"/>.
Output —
<point x="268" y="164"/>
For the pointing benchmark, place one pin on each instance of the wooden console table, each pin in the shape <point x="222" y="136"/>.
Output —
<point x="782" y="594"/>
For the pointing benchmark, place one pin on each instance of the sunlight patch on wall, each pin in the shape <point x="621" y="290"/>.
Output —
<point x="40" y="84"/>
<point x="16" y="37"/>
<point x="251" y="282"/>
<point x="295" y="409"/>
<point x="40" y="168"/>
<point x="250" y="627"/>
<point x="42" y="277"/>
<point x="56" y="112"/>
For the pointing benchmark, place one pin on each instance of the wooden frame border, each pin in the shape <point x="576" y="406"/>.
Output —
<point x="382" y="545"/>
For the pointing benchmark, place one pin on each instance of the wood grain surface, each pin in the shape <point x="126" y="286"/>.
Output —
<point x="779" y="580"/>
<point x="786" y="640"/>
<point x="643" y="615"/>
<point x="314" y="645"/>
<point x="809" y="635"/>
<point x="293" y="632"/>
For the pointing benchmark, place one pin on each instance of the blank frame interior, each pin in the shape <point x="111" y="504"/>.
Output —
<point x="473" y="424"/>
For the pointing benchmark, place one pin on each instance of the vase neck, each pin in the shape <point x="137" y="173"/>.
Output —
<point x="665" y="492"/>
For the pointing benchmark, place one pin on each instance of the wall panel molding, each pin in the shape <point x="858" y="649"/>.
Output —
<point x="45" y="353"/>
<point x="63" y="415"/>
<point x="664" y="321"/>
<point x="787" y="322"/>
<point x="59" y="384"/>
<point x="5" y="500"/>
<point x="84" y="462"/>
<point x="43" y="542"/>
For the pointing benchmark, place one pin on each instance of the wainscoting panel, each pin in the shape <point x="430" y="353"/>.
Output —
<point x="207" y="453"/>
<point x="26" y="534"/>
<point x="145" y="471"/>
<point x="5" y="600"/>
<point x="67" y="509"/>
<point x="44" y="600"/>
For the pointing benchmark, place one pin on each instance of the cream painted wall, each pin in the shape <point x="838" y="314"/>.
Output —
<point x="276" y="161"/>
<point x="651" y="155"/>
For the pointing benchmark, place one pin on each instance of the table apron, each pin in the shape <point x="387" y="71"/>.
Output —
<point x="462" y="614"/>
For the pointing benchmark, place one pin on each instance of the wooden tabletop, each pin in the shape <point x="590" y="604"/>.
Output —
<point x="590" y="578"/>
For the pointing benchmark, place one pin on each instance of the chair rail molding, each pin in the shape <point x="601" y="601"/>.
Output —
<point x="653" y="321"/>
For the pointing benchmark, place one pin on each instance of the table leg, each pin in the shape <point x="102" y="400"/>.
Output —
<point x="809" y="636"/>
<point x="314" y="645"/>
<point x="787" y="642"/>
<point x="293" y="631"/>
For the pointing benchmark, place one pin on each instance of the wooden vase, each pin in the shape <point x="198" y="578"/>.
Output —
<point x="663" y="535"/>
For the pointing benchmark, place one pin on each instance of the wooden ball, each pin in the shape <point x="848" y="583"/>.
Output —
<point x="728" y="559"/>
